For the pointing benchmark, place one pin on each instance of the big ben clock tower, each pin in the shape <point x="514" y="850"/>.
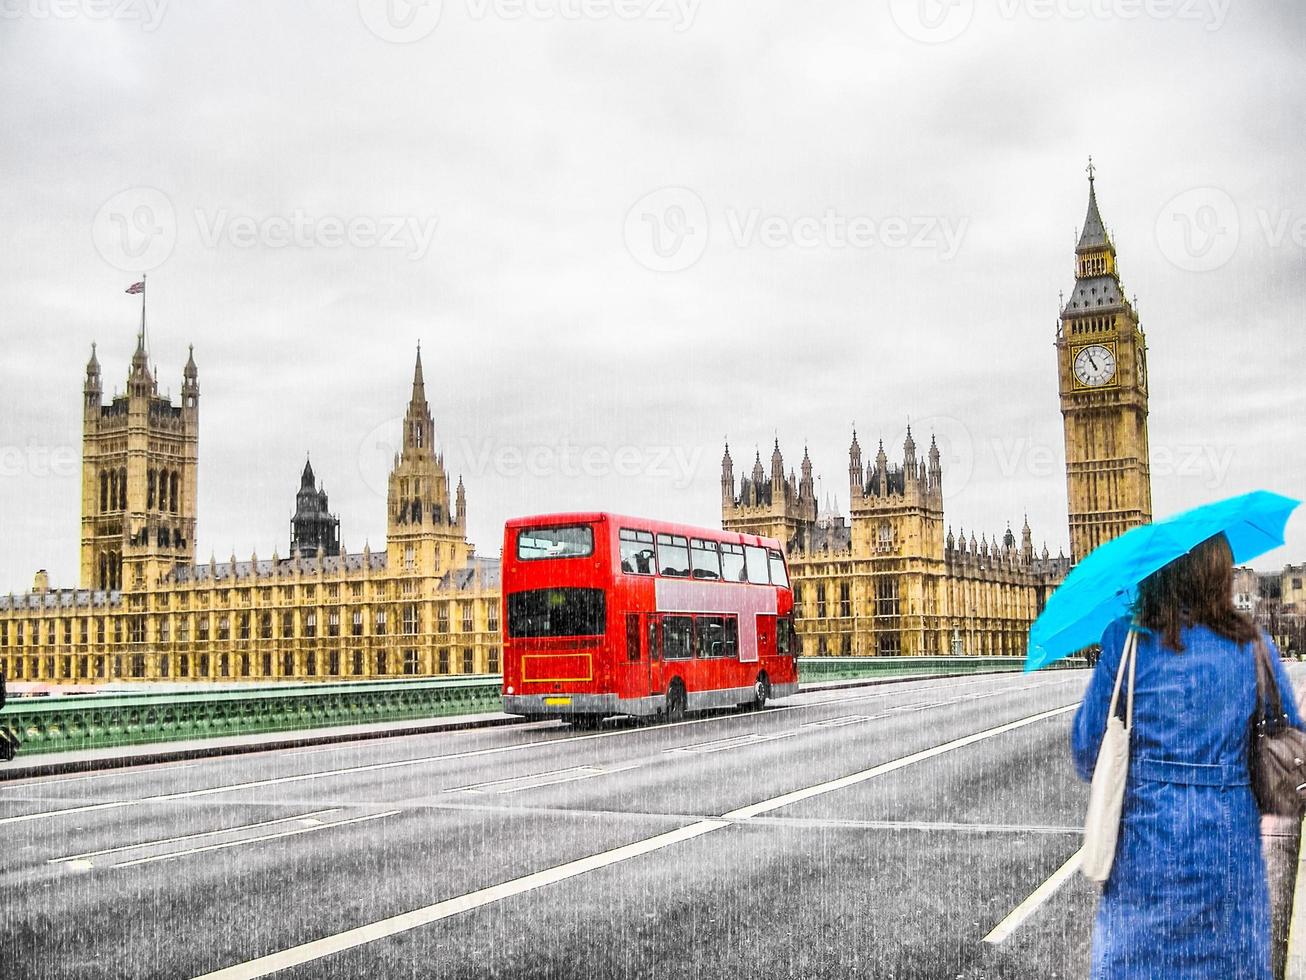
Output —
<point x="1102" y="365"/>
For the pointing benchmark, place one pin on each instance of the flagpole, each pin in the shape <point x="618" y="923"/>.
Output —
<point x="142" y="311"/>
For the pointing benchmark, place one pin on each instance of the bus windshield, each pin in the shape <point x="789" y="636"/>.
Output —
<point x="556" y="612"/>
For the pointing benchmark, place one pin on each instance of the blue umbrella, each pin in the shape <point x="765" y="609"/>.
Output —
<point x="1101" y="588"/>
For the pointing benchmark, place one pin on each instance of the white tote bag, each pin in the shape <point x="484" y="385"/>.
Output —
<point x="1106" y="796"/>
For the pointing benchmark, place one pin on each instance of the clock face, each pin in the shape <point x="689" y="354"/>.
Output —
<point x="1095" y="365"/>
<point x="1142" y="370"/>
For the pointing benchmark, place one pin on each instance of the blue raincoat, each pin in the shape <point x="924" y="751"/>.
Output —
<point x="1187" y="896"/>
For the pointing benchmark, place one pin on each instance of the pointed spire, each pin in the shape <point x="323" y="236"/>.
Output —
<point x="419" y="382"/>
<point x="1094" y="234"/>
<point x="307" y="481"/>
<point x="93" y="365"/>
<point x="191" y="371"/>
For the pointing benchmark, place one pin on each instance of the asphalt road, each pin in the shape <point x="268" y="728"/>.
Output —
<point x="879" y="831"/>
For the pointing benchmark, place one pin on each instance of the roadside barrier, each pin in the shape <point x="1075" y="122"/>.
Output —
<point x="110" y="719"/>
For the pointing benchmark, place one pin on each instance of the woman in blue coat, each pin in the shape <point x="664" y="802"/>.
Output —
<point x="1187" y="895"/>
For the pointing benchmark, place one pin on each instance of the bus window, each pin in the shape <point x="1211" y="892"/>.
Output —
<point x="654" y="639"/>
<point x="704" y="558"/>
<point x="718" y="636"/>
<point x="556" y="612"/>
<point x="784" y="628"/>
<point x="576" y="541"/>
<point x="677" y="637"/>
<point x="778" y="575"/>
<point x="711" y="636"/>
<point x="757" y="569"/>
<point x="637" y="552"/>
<point x="632" y="637"/>
<point x="673" y="555"/>
<point x="732" y="563"/>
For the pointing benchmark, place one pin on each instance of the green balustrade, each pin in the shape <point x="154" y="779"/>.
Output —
<point x="110" y="719"/>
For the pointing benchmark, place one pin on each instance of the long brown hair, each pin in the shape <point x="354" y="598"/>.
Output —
<point x="1194" y="589"/>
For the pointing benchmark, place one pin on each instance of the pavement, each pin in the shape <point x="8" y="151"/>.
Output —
<point x="913" y="830"/>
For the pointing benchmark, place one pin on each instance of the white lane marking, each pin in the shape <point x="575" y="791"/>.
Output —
<point x="732" y="742"/>
<point x="839" y="722"/>
<point x="766" y="806"/>
<point x="173" y="840"/>
<point x="511" y="784"/>
<point x="326" y="946"/>
<point x="255" y="840"/>
<point x="318" y="948"/>
<point x="1030" y="905"/>
<point x="90" y="807"/>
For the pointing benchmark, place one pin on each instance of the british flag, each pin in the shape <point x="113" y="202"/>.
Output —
<point x="137" y="287"/>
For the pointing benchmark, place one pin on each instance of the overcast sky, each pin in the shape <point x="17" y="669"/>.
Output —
<point x="625" y="229"/>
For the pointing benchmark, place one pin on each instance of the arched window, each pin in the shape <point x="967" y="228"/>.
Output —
<point x="122" y="488"/>
<point x="417" y="512"/>
<point x="172" y="492"/>
<point x="104" y="492"/>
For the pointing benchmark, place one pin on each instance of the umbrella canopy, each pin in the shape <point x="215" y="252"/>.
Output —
<point x="1101" y="588"/>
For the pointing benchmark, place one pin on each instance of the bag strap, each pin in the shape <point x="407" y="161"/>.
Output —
<point x="1126" y="657"/>
<point x="1269" y="701"/>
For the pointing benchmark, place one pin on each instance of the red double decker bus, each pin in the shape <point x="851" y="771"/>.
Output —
<point x="608" y="615"/>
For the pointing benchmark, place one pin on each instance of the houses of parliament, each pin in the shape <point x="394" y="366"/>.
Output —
<point x="890" y="579"/>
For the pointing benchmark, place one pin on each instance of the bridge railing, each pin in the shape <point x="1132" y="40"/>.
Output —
<point x="138" y="717"/>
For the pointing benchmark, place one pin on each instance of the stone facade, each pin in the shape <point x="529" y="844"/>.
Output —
<point x="147" y="611"/>
<point x="888" y="580"/>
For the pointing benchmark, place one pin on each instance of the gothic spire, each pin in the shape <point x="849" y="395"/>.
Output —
<point x="1094" y="234"/>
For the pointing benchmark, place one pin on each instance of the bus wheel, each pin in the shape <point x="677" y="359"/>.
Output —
<point x="761" y="692"/>
<point x="676" y="701"/>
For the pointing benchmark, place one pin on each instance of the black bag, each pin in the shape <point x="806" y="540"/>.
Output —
<point x="1278" y="759"/>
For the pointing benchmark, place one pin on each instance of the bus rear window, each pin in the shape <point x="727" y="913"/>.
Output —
<point x="572" y="541"/>
<point x="556" y="612"/>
